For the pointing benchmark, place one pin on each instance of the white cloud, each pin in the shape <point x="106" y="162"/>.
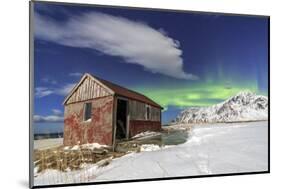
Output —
<point x="49" y="118"/>
<point x="49" y="80"/>
<point x="134" y="41"/>
<point x="65" y="89"/>
<point x="55" y="117"/>
<point x="42" y="91"/>
<point x="45" y="91"/>
<point x="76" y="74"/>
<point x="57" y="112"/>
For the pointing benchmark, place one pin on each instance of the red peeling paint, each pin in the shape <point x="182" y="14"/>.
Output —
<point x="99" y="129"/>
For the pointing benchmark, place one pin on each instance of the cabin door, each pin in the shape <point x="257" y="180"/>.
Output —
<point x="121" y="119"/>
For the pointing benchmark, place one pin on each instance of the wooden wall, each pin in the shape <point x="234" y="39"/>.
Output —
<point x="99" y="129"/>
<point x="88" y="89"/>
<point x="138" y="126"/>
<point x="138" y="111"/>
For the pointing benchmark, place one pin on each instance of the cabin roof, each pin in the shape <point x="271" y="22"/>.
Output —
<point x="116" y="89"/>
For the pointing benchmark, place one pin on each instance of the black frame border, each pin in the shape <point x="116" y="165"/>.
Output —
<point x="31" y="92"/>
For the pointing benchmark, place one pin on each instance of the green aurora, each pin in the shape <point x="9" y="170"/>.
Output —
<point x="195" y="95"/>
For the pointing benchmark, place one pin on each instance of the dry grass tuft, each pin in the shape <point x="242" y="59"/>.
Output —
<point x="63" y="159"/>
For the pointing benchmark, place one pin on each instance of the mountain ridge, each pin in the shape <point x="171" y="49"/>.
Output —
<point x="244" y="106"/>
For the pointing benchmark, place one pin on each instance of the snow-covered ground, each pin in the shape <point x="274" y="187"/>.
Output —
<point x="210" y="149"/>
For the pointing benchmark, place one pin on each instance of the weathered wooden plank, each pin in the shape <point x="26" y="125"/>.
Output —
<point x="138" y="111"/>
<point x="78" y="94"/>
<point x="81" y="91"/>
<point x="91" y="89"/>
<point x="88" y="89"/>
<point x="85" y="90"/>
<point x="98" y="91"/>
<point x="95" y="89"/>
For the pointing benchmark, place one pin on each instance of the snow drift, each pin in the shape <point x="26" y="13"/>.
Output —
<point x="212" y="149"/>
<point x="245" y="106"/>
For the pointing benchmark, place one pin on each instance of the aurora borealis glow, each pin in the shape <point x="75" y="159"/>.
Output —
<point x="177" y="59"/>
<point x="198" y="95"/>
<point x="174" y="99"/>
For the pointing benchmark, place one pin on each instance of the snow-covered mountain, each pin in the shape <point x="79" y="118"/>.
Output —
<point x="245" y="106"/>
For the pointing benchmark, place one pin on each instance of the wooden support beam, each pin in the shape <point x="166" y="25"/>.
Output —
<point x="114" y="122"/>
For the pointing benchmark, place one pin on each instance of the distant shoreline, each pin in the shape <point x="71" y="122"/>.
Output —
<point x="39" y="136"/>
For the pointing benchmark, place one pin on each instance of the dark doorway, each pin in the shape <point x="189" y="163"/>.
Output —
<point x="121" y="119"/>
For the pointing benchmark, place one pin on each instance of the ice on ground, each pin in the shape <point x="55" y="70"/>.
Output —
<point x="146" y="134"/>
<point x="152" y="147"/>
<point x="149" y="147"/>
<point x="210" y="149"/>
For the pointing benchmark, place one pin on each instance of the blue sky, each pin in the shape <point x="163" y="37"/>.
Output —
<point x="177" y="59"/>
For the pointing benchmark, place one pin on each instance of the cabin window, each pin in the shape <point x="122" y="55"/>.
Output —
<point x="148" y="112"/>
<point x="87" y="111"/>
